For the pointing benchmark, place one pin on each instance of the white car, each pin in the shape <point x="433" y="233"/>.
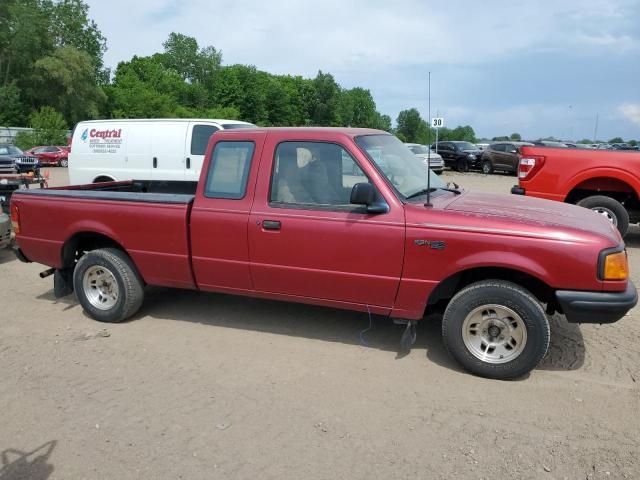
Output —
<point x="151" y="149"/>
<point x="422" y="151"/>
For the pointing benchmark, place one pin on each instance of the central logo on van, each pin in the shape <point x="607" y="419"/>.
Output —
<point x="105" y="133"/>
<point x="84" y="135"/>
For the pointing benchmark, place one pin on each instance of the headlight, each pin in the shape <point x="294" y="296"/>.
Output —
<point x="472" y="156"/>
<point x="614" y="266"/>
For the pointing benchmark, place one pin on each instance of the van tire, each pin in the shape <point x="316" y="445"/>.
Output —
<point x="610" y="208"/>
<point x="510" y="316"/>
<point x="108" y="285"/>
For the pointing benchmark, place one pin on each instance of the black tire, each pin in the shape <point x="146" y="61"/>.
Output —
<point x="487" y="167"/>
<point x="462" y="165"/>
<point x="609" y="207"/>
<point x="531" y="317"/>
<point x="129" y="283"/>
<point x="63" y="163"/>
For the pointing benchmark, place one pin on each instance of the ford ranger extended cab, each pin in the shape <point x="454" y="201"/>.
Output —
<point x="605" y="181"/>
<point x="345" y="218"/>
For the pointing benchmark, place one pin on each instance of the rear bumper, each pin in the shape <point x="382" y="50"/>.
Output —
<point x="516" y="190"/>
<point x="597" y="307"/>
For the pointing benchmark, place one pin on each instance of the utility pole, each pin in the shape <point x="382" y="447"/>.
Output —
<point x="595" y="130"/>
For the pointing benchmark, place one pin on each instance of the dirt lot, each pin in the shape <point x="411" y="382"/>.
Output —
<point x="202" y="386"/>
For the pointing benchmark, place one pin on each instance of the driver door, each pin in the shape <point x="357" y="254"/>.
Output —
<point x="306" y="240"/>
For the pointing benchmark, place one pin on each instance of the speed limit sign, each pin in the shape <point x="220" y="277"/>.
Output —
<point x="437" y="122"/>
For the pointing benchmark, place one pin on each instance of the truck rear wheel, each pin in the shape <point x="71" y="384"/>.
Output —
<point x="610" y="209"/>
<point x="108" y="285"/>
<point x="496" y="329"/>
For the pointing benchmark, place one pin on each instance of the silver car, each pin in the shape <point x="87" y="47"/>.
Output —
<point x="422" y="151"/>
<point x="5" y="230"/>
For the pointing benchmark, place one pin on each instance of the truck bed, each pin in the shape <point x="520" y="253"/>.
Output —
<point x="131" y="190"/>
<point x="148" y="219"/>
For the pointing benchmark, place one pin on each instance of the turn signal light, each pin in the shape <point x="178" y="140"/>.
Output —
<point x="616" y="266"/>
<point x="15" y="218"/>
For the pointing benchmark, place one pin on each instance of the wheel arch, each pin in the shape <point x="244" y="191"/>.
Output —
<point x="84" y="241"/>
<point x="447" y="288"/>
<point x="612" y="183"/>
<point x="103" y="178"/>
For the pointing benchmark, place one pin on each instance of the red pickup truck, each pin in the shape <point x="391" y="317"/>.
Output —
<point x="345" y="218"/>
<point x="605" y="181"/>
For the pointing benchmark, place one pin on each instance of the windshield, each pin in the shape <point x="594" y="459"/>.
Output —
<point x="10" y="150"/>
<point x="406" y="172"/>
<point x="466" y="146"/>
<point x="418" y="149"/>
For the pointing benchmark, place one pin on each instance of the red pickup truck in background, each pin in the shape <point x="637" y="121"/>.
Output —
<point x="605" y="181"/>
<point x="345" y="218"/>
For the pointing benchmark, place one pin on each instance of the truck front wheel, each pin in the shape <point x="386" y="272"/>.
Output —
<point x="496" y="329"/>
<point x="108" y="285"/>
<point x="610" y="209"/>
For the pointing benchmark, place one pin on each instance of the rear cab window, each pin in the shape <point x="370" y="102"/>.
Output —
<point x="229" y="169"/>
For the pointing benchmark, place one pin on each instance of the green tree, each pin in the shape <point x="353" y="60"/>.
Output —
<point x="49" y="128"/>
<point x="72" y="27"/>
<point x="516" y="137"/>
<point x="585" y="141"/>
<point x="325" y="108"/>
<point x="11" y="109"/>
<point x="411" y="125"/>
<point x="633" y="143"/>
<point x="616" y="140"/>
<point x="500" y="139"/>
<point x="66" y="81"/>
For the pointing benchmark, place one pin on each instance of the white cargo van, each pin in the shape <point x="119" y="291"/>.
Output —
<point x="154" y="149"/>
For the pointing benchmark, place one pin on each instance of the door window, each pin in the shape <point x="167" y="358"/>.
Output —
<point x="499" y="147"/>
<point x="229" y="170"/>
<point x="314" y="174"/>
<point x="200" y="138"/>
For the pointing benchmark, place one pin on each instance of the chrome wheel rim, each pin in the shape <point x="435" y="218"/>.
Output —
<point x="606" y="213"/>
<point x="100" y="287"/>
<point x="494" y="333"/>
<point x="64" y="163"/>
<point x="486" y="168"/>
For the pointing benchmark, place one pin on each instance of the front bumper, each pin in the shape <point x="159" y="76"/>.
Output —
<point x="516" y="190"/>
<point x="597" y="307"/>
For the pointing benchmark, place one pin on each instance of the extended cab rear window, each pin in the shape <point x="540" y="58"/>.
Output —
<point x="229" y="170"/>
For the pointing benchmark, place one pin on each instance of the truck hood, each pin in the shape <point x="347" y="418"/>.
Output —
<point x="534" y="212"/>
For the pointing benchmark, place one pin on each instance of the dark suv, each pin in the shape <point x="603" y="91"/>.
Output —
<point x="503" y="156"/>
<point x="22" y="162"/>
<point x="459" y="155"/>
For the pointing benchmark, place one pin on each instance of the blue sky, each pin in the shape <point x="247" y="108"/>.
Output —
<point x="535" y="67"/>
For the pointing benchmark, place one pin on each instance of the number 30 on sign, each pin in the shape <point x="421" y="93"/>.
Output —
<point x="437" y="122"/>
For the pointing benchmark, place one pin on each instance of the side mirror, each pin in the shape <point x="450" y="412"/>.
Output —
<point x="513" y="150"/>
<point x="364" y="194"/>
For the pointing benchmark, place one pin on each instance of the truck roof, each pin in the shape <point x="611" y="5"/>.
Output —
<point x="349" y="131"/>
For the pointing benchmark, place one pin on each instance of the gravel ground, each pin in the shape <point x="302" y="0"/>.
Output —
<point x="205" y="386"/>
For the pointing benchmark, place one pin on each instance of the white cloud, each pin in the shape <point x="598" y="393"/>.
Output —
<point x="631" y="112"/>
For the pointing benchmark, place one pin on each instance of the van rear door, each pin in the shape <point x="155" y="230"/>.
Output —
<point x="168" y="155"/>
<point x="197" y="140"/>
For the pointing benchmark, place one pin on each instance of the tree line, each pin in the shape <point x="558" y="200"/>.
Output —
<point x="52" y="75"/>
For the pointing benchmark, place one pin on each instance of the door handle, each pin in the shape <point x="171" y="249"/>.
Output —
<point x="271" y="225"/>
<point x="188" y="162"/>
<point x="155" y="162"/>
